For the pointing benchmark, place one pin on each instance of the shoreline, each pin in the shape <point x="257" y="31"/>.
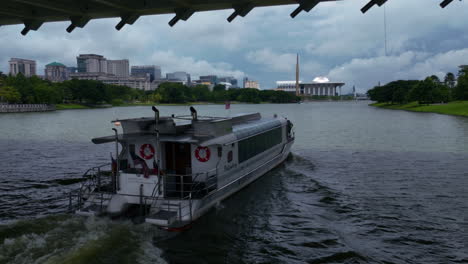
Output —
<point x="82" y="106"/>
<point x="456" y="108"/>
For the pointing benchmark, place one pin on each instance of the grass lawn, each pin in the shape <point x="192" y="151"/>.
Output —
<point x="459" y="108"/>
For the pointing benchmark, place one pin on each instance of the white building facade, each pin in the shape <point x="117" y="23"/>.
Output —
<point x="251" y="84"/>
<point x="142" y="83"/>
<point x="23" y="66"/>
<point x="118" y="67"/>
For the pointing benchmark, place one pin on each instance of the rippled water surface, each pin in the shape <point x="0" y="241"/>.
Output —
<point x="363" y="185"/>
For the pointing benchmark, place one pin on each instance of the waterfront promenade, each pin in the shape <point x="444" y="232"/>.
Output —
<point x="21" y="108"/>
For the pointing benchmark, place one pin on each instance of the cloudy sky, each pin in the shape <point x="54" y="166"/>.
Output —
<point x="333" y="40"/>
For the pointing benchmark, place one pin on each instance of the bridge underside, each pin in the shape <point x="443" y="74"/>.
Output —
<point x="33" y="13"/>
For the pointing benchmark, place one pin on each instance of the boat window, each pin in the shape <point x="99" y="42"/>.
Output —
<point x="255" y="145"/>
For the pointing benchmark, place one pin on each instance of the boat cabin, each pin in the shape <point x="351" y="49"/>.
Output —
<point x="185" y="150"/>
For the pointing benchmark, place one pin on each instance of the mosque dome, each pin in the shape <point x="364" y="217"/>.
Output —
<point x="321" y="79"/>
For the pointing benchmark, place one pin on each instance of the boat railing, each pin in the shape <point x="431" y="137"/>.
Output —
<point x="178" y="194"/>
<point x="94" y="182"/>
<point x="186" y="193"/>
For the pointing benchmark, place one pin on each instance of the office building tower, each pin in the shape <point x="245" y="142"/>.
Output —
<point x="118" y="67"/>
<point x="91" y="63"/>
<point x="23" y="66"/>
<point x="153" y="71"/>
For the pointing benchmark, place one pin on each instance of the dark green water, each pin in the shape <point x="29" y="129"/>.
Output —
<point x="363" y="185"/>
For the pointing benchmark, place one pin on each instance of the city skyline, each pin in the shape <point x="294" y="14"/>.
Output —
<point x="101" y="65"/>
<point x="92" y="66"/>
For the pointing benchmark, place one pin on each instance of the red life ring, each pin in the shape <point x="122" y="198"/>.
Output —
<point x="143" y="151"/>
<point x="202" y="154"/>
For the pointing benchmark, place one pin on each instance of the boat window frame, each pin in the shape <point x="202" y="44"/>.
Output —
<point x="253" y="135"/>
<point x="259" y="146"/>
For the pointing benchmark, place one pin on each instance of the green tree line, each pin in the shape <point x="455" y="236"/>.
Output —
<point x="179" y="93"/>
<point x="33" y="90"/>
<point x="19" y="89"/>
<point x="428" y="91"/>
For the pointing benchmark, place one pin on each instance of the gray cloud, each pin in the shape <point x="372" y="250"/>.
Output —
<point x="366" y="73"/>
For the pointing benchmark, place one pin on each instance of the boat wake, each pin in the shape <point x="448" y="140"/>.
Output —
<point x="71" y="239"/>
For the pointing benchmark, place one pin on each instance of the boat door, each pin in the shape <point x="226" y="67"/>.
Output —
<point x="178" y="162"/>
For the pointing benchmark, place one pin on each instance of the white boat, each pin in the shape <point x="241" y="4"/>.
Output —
<point x="172" y="170"/>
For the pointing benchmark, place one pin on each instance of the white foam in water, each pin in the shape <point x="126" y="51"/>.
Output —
<point x="149" y="252"/>
<point x="24" y="247"/>
<point x="50" y="247"/>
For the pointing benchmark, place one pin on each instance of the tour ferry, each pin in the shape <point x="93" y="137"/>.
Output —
<point x="171" y="170"/>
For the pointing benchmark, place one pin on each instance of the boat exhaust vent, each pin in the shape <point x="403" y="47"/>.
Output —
<point x="156" y="114"/>
<point x="193" y="112"/>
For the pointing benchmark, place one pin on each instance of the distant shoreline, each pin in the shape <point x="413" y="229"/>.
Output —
<point x="83" y="106"/>
<point x="456" y="108"/>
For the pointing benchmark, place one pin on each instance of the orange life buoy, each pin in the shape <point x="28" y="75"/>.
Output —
<point x="147" y="151"/>
<point x="202" y="154"/>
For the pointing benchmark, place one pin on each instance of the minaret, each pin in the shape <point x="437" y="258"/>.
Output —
<point x="297" y="75"/>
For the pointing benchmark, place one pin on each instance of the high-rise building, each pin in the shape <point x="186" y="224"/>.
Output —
<point x="118" y="67"/>
<point x="56" y="72"/>
<point x="91" y="63"/>
<point x="153" y="71"/>
<point x="23" y="66"/>
<point x="179" y="76"/>
<point x="213" y="79"/>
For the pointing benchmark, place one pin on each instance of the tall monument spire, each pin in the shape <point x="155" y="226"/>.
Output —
<point x="297" y="74"/>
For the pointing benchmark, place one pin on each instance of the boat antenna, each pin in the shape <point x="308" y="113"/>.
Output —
<point x="385" y="29"/>
<point x="194" y="113"/>
<point x="115" y="178"/>
<point x="158" y="147"/>
<point x="297" y="74"/>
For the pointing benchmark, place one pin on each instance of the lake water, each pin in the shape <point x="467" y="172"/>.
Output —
<point x="363" y="185"/>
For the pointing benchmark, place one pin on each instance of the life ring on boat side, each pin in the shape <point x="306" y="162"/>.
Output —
<point x="147" y="151"/>
<point x="202" y="154"/>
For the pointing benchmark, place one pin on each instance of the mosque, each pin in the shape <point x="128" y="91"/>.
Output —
<point x="319" y="86"/>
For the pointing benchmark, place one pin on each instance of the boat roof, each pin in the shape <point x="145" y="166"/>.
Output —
<point x="203" y="131"/>
<point x="148" y="136"/>
<point x="236" y="118"/>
